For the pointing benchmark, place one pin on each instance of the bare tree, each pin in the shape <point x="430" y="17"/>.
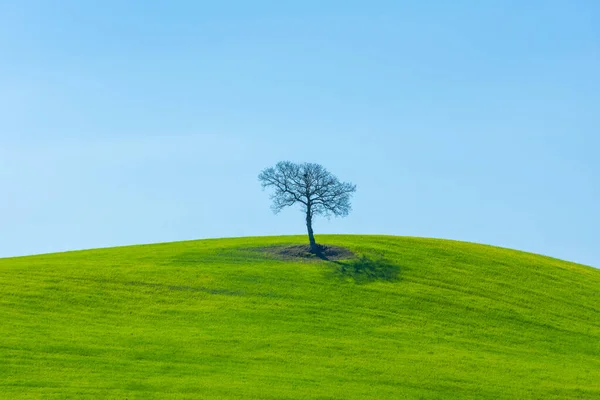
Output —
<point x="311" y="185"/>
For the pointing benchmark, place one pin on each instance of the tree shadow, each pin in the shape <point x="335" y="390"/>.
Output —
<point x="366" y="269"/>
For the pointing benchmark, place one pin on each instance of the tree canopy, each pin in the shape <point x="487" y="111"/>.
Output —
<point x="317" y="190"/>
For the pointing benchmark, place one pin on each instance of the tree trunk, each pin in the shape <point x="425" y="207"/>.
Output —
<point x="311" y="237"/>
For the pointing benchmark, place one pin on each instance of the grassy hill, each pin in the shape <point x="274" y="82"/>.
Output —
<point x="226" y="319"/>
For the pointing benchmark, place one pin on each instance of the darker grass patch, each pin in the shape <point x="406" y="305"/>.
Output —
<point x="367" y="269"/>
<point x="302" y="252"/>
<point x="183" y="288"/>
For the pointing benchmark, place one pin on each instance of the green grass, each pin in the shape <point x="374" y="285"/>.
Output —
<point x="213" y="319"/>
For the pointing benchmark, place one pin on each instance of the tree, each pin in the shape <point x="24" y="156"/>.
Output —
<point x="316" y="189"/>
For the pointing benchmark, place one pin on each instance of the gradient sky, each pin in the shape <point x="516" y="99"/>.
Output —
<point x="149" y="121"/>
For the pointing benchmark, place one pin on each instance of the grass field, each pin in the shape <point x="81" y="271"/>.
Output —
<point x="219" y="319"/>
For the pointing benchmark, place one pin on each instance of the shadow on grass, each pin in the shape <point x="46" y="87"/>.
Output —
<point x="366" y="269"/>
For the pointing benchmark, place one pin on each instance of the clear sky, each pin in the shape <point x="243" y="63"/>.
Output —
<point x="125" y="122"/>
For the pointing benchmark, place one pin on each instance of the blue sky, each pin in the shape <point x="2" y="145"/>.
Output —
<point x="137" y="122"/>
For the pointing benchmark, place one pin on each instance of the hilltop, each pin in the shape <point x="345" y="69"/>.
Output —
<point x="395" y="317"/>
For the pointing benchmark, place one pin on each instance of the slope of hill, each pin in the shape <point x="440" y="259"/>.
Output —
<point x="226" y="319"/>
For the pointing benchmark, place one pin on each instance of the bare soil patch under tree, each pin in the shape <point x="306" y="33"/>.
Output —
<point x="331" y="253"/>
